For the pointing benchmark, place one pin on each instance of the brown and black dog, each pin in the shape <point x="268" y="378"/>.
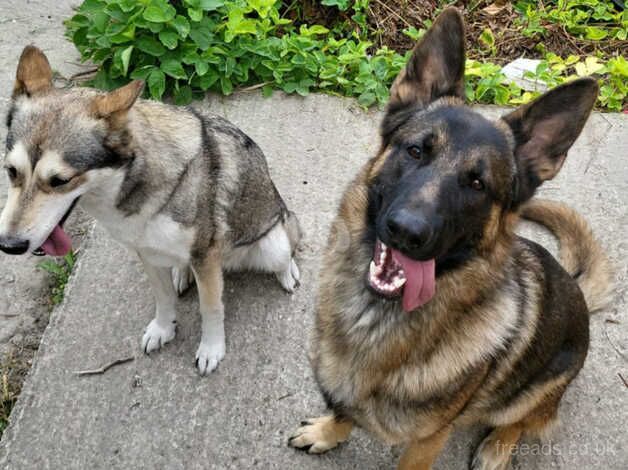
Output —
<point x="432" y="313"/>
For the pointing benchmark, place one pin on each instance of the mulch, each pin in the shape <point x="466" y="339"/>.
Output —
<point x="388" y="18"/>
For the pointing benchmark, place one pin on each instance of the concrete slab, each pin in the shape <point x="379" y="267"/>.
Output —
<point x="155" y="412"/>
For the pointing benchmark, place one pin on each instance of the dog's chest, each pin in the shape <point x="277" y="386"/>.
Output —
<point x="159" y="239"/>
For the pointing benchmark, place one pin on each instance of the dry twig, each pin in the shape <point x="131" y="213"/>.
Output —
<point x="103" y="369"/>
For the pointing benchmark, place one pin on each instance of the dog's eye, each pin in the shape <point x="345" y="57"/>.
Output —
<point x="415" y="151"/>
<point x="477" y="184"/>
<point x="12" y="172"/>
<point x="57" y="181"/>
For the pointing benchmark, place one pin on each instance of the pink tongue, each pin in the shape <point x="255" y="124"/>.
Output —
<point x="420" y="281"/>
<point x="58" y="243"/>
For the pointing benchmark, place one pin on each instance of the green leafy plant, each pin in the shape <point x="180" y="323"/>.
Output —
<point x="595" y="20"/>
<point x="192" y="46"/>
<point x="60" y="271"/>
<point x="184" y="48"/>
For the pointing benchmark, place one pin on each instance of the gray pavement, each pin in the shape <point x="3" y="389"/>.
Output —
<point x="155" y="412"/>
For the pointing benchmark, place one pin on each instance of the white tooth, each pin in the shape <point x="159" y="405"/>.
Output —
<point x="399" y="282"/>
<point x="372" y="269"/>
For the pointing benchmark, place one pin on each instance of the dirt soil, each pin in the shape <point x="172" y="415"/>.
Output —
<point x="388" y="18"/>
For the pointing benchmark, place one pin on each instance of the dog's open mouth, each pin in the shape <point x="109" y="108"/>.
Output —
<point x="58" y="242"/>
<point x="392" y="274"/>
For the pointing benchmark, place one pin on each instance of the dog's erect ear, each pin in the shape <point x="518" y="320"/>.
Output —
<point x="117" y="102"/>
<point x="436" y="67"/>
<point x="34" y="75"/>
<point x="545" y="129"/>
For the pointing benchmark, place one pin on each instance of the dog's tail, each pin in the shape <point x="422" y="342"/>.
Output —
<point x="581" y="254"/>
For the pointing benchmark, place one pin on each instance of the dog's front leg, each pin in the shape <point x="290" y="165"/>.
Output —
<point x="162" y="328"/>
<point x="208" y="276"/>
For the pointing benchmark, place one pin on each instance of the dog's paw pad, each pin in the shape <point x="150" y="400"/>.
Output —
<point x="157" y="335"/>
<point x="318" y="435"/>
<point x="182" y="279"/>
<point x="208" y="356"/>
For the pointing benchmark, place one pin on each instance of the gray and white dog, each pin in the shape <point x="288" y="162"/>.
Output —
<point x="188" y="191"/>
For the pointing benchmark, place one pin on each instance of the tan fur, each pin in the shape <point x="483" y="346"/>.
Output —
<point x="581" y="254"/>
<point x="118" y="100"/>
<point x="34" y="75"/>
<point x="209" y="280"/>
<point x="495" y="451"/>
<point x="420" y="455"/>
<point x="321" y="434"/>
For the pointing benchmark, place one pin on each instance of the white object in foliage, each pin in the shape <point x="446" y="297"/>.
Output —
<point x="516" y="69"/>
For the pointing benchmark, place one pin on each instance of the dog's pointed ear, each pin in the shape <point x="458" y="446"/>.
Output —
<point x="33" y="75"/>
<point x="436" y="67"/>
<point x="117" y="102"/>
<point x="545" y="129"/>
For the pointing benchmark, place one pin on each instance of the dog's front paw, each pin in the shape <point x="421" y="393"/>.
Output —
<point x="319" y="435"/>
<point x="209" y="355"/>
<point x="491" y="454"/>
<point x="157" y="335"/>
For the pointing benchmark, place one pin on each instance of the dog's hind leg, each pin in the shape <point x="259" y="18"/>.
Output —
<point x="274" y="252"/>
<point x="182" y="279"/>
<point x="271" y="253"/>
<point x="209" y="282"/>
<point x="162" y="328"/>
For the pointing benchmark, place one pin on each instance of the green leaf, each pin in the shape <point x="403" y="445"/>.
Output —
<point x="208" y="80"/>
<point x="150" y="45"/>
<point x="226" y="86"/>
<point x="156" y="84"/>
<point x="142" y="73"/>
<point x="202" y="37"/>
<point x="127" y="5"/>
<point x="267" y="91"/>
<point x="413" y="33"/>
<point x="366" y="99"/>
<point x="126" y="58"/>
<point x="201" y="67"/>
<point x="487" y="38"/>
<point x="312" y="30"/>
<point x="100" y="21"/>
<point x="169" y="38"/>
<point x="159" y="14"/>
<point x="211" y="5"/>
<point x="173" y="68"/>
<point x="183" y="95"/>
<point x="340" y="4"/>
<point x="182" y="25"/>
<point x="195" y="14"/>
<point x="595" y="34"/>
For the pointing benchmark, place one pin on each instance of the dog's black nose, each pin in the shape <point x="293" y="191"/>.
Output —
<point x="13" y="246"/>
<point x="408" y="231"/>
